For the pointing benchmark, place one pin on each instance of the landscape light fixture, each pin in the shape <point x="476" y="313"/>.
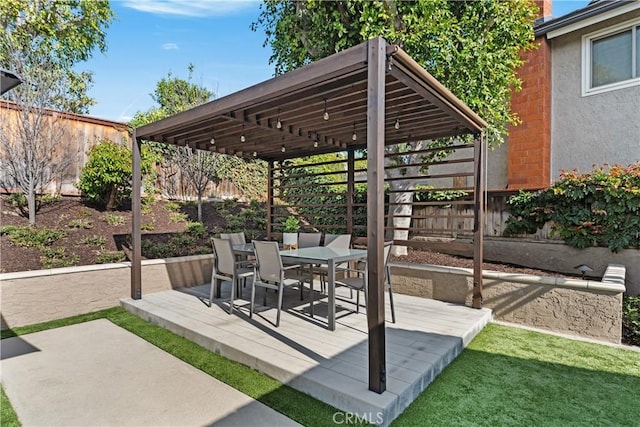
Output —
<point x="354" y="137"/>
<point x="326" y="113"/>
<point x="583" y="268"/>
<point x="242" y="137"/>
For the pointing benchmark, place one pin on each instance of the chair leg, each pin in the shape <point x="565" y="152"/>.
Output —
<point x="357" y="301"/>
<point x="253" y="296"/>
<point x="393" y="311"/>
<point x="213" y="285"/>
<point x="280" y="292"/>
<point x="234" y="284"/>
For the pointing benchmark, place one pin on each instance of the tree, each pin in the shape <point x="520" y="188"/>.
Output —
<point x="174" y="95"/>
<point x="106" y="178"/>
<point x="61" y="34"/>
<point x="42" y="41"/>
<point x="472" y="47"/>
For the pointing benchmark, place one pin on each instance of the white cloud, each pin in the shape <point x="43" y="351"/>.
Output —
<point x="196" y="8"/>
<point x="170" y="46"/>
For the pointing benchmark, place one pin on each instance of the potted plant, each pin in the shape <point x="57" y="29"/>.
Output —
<point x="290" y="235"/>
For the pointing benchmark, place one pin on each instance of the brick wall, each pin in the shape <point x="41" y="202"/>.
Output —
<point x="529" y="145"/>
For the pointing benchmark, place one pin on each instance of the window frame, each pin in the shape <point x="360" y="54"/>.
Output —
<point x="587" y="44"/>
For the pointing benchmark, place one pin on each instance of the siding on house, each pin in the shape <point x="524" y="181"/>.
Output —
<point x="595" y="129"/>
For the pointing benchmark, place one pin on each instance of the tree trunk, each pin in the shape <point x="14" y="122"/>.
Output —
<point x="399" y="215"/>
<point x="111" y="201"/>
<point x="31" y="205"/>
<point x="199" y="206"/>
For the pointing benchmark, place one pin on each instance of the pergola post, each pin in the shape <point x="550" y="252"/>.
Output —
<point x="136" y="220"/>
<point x="375" y="213"/>
<point x="478" y="221"/>
<point x="270" y="167"/>
<point x="350" y="187"/>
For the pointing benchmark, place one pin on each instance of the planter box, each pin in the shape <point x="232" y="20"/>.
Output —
<point x="590" y="309"/>
<point x="30" y="297"/>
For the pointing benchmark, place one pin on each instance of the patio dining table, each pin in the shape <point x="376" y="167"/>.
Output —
<point x="317" y="255"/>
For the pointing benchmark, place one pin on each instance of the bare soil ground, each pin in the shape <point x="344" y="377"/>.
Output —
<point x="62" y="213"/>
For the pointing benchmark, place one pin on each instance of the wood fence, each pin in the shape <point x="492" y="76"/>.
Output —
<point x="427" y="220"/>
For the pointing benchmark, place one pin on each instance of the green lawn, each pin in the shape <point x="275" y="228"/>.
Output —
<point x="507" y="376"/>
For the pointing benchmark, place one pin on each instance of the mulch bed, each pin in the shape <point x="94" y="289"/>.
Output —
<point x="59" y="214"/>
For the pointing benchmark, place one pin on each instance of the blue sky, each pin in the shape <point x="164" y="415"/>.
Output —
<point x="149" y="38"/>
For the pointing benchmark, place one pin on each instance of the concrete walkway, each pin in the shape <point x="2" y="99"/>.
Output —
<point x="98" y="374"/>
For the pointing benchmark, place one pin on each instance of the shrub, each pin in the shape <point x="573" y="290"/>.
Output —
<point x="85" y="212"/>
<point x="80" y="223"/>
<point x="32" y="237"/>
<point x="597" y="208"/>
<point x="172" y="206"/>
<point x="196" y="229"/>
<point x="106" y="178"/>
<point x="178" y="217"/>
<point x="631" y="320"/>
<point x="94" y="240"/>
<point x="57" y="257"/>
<point x="17" y="200"/>
<point x="147" y="203"/>
<point x="148" y="226"/>
<point x="113" y="219"/>
<point x="108" y="257"/>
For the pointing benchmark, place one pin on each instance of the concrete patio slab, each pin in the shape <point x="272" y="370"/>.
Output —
<point x="328" y="365"/>
<point x="98" y="374"/>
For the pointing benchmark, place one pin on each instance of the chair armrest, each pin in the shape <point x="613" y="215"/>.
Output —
<point x="291" y="267"/>
<point x="243" y="263"/>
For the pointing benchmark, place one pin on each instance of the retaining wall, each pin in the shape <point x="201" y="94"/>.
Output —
<point x="30" y="297"/>
<point x="581" y="307"/>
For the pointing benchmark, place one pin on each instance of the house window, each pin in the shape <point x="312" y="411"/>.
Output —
<point x="611" y="58"/>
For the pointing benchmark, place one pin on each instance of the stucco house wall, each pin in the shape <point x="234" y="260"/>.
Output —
<point x="593" y="129"/>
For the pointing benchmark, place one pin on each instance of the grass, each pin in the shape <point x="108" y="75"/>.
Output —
<point x="510" y="376"/>
<point x="507" y="376"/>
<point x="8" y="417"/>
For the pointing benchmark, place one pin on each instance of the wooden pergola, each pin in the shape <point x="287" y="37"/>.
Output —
<point x="317" y="109"/>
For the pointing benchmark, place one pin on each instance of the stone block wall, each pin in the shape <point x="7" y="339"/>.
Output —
<point x="31" y="297"/>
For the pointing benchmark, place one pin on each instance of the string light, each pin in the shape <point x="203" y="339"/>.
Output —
<point x="326" y="113"/>
<point x="354" y="137"/>
<point x="242" y="137"/>
<point x="315" y="143"/>
<point x="255" y="154"/>
<point x="213" y="139"/>
<point x="283" y="149"/>
<point x="397" y="124"/>
<point x="279" y="123"/>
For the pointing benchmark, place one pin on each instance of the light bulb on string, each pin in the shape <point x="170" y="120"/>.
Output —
<point x="326" y="113"/>
<point x="397" y="124"/>
<point x="279" y="122"/>
<point x="242" y="137"/>
<point x="354" y="137"/>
